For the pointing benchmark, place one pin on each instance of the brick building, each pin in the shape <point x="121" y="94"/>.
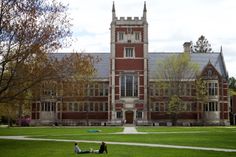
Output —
<point x="125" y="90"/>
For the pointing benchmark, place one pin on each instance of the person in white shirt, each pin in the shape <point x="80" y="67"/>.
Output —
<point x="77" y="150"/>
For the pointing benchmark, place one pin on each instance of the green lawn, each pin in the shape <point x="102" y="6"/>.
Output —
<point x="12" y="148"/>
<point x="60" y="131"/>
<point x="219" y="137"/>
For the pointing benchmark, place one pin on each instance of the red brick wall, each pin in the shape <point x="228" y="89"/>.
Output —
<point x="159" y="116"/>
<point x="83" y="115"/>
<point x="138" y="48"/>
<point x="129" y="64"/>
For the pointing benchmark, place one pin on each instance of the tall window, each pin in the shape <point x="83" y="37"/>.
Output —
<point x="187" y="106"/>
<point x="211" y="106"/>
<point x="129" y="52"/>
<point x="119" y="114"/>
<point x="120" y="36"/>
<point x="139" y="114"/>
<point x="129" y="85"/>
<point x="137" y="36"/>
<point x="48" y="106"/>
<point x="212" y="89"/>
<point x="159" y="106"/>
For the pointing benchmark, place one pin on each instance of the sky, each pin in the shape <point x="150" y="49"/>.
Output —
<point x="170" y="24"/>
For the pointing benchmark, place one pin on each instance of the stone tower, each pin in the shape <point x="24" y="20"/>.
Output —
<point x="128" y="68"/>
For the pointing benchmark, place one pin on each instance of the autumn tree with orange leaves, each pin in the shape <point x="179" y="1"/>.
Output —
<point x="30" y="30"/>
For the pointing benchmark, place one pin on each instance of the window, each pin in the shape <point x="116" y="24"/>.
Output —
<point x="119" y="114"/>
<point x="137" y="36"/>
<point x="81" y="107"/>
<point x="120" y="36"/>
<point x="211" y="106"/>
<point x="96" y="89"/>
<point x="86" y="106"/>
<point x="71" y="107"/>
<point x="185" y="89"/>
<point x="101" y="108"/>
<point x="151" y="90"/>
<point x="209" y="73"/>
<point x="129" y="85"/>
<point x="64" y="106"/>
<point x="187" y="106"/>
<point x="129" y="52"/>
<point x="48" y="106"/>
<point x="100" y="89"/>
<point x="91" y="90"/>
<point x="91" y="107"/>
<point x="156" y="107"/>
<point x="188" y="89"/>
<point x="105" y="86"/>
<point x="106" y="106"/>
<point x="139" y="114"/>
<point x="212" y="89"/>
<point x="160" y="107"/>
<point x="103" y="89"/>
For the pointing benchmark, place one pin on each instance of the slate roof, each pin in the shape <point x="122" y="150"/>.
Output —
<point x="103" y="66"/>
<point x="202" y="59"/>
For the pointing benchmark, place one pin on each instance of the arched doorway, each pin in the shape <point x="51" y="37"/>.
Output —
<point x="129" y="116"/>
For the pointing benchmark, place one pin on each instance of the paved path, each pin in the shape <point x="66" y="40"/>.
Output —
<point x="121" y="143"/>
<point x="130" y="130"/>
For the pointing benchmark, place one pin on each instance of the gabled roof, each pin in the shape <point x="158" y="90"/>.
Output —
<point x="202" y="59"/>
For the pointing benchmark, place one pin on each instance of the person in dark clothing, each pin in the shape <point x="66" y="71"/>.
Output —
<point x="102" y="149"/>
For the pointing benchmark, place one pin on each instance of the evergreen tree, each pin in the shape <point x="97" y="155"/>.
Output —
<point x="202" y="46"/>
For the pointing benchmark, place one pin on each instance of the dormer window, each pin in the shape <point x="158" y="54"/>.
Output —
<point x="129" y="52"/>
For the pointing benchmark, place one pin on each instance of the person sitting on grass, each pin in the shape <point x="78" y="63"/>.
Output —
<point x="77" y="150"/>
<point x="102" y="149"/>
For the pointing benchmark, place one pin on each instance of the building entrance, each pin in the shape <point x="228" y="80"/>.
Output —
<point x="129" y="116"/>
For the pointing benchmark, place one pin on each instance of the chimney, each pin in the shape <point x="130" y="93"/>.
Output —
<point x="187" y="46"/>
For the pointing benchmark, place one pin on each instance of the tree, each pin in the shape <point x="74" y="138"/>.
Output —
<point x="201" y="94"/>
<point x="175" y="106"/>
<point x="175" y="73"/>
<point x="29" y="30"/>
<point x="202" y="46"/>
<point x="232" y="84"/>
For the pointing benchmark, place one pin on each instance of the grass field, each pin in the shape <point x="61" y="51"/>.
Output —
<point x="217" y="137"/>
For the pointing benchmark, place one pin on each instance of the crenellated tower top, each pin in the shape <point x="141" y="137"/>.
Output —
<point x="129" y="20"/>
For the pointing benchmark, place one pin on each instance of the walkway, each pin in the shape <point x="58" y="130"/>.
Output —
<point x="130" y="130"/>
<point x="121" y="143"/>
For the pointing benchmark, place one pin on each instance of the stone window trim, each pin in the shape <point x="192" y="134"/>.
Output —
<point x="129" y="52"/>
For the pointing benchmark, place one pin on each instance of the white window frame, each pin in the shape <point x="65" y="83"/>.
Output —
<point x="137" y="114"/>
<point x="213" y="90"/>
<point x="119" y="114"/>
<point x="134" y="92"/>
<point x="120" y="36"/>
<point x="137" y="36"/>
<point x="212" y="106"/>
<point x="129" y="54"/>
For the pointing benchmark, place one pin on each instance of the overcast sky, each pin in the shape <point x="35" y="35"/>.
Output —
<point x="171" y="23"/>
